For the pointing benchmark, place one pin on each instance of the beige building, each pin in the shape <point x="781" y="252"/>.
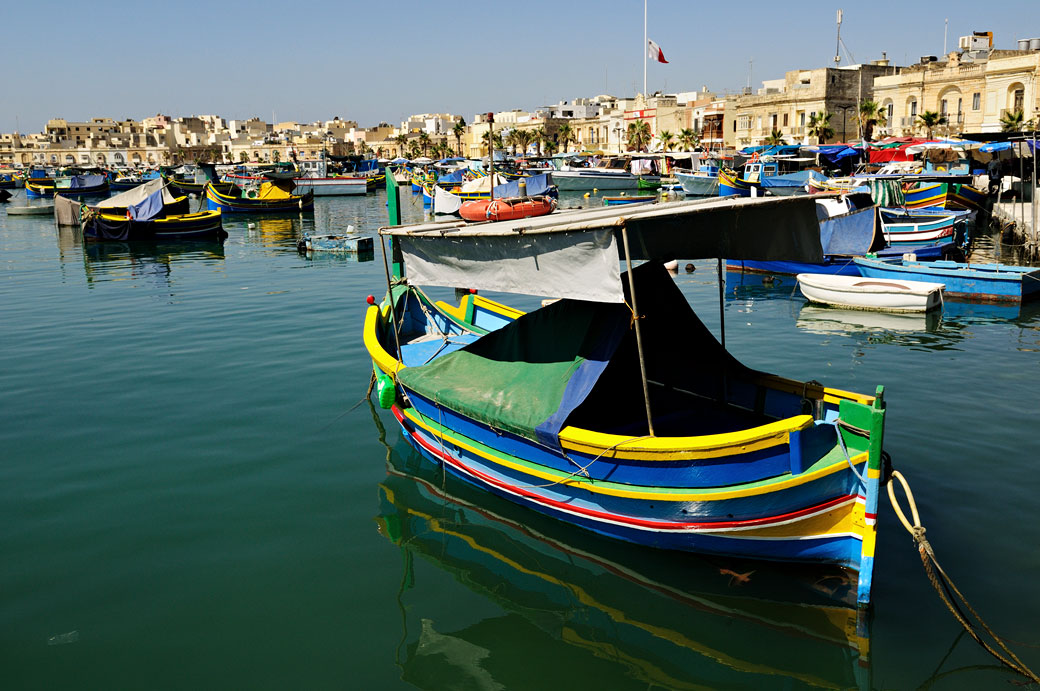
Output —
<point x="973" y="89"/>
<point x="788" y="104"/>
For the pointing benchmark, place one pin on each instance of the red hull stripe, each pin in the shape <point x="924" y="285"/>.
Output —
<point x="603" y="515"/>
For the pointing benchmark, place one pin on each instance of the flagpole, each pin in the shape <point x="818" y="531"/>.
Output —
<point x="645" y="50"/>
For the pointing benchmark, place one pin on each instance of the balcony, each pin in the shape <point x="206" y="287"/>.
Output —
<point x="908" y="121"/>
<point x="797" y="131"/>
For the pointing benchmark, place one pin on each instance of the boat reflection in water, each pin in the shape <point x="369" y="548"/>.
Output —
<point x="834" y="320"/>
<point x="584" y="611"/>
<point x="106" y="261"/>
<point x="270" y="231"/>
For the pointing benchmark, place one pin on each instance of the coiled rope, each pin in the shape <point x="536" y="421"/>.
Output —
<point x="944" y="585"/>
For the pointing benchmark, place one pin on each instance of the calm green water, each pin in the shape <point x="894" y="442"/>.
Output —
<point x="187" y="503"/>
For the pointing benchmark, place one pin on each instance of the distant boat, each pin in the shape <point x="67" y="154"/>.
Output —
<point x="858" y="292"/>
<point x="148" y="213"/>
<point x="634" y="199"/>
<point x="948" y="195"/>
<point x="69" y="186"/>
<point x="702" y="182"/>
<point x="612" y="174"/>
<point x="271" y="197"/>
<point x="983" y="282"/>
<point x="31" y="210"/>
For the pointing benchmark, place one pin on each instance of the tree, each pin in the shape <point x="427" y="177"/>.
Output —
<point x="424" y="142"/>
<point x="550" y="146"/>
<point x="402" y="141"/>
<point x="775" y="138"/>
<point x="666" y="138"/>
<point x="688" y="139"/>
<point x="522" y="138"/>
<point x="496" y="141"/>
<point x="820" y="126"/>
<point x="459" y="129"/>
<point x="1014" y="121"/>
<point x="564" y="135"/>
<point x="638" y="135"/>
<point x="276" y="156"/>
<point x="929" y="120"/>
<point x="870" y="114"/>
<point x="539" y="136"/>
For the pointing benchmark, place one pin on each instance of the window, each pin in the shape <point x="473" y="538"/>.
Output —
<point x="891" y="111"/>
<point x="913" y="108"/>
<point x="976" y="101"/>
<point x="942" y="107"/>
<point x="801" y="119"/>
<point x="1019" y="99"/>
<point x="785" y="119"/>
<point x="960" y="106"/>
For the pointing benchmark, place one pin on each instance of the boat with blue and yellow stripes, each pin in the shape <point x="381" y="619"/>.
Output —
<point x="946" y="195"/>
<point x="272" y="196"/>
<point x="642" y="429"/>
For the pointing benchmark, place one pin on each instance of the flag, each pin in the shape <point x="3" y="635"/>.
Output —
<point x="653" y="51"/>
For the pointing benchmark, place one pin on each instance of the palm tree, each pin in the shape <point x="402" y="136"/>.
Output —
<point x="402" y="141"/>
<point x="820" y="127"/>
<point x="540" y="136"/>
<point x="666" y="138"/>
<point x="276" y="156"/>
<point x="459" y="129"/>
<point x="243" y="156"/>
<point x="870" y="114"/>
<point x="930" y="120"/>
<point x="638" y="135"/>
<point x="522" y="139"/>
<point x="550" y="147"/>
<point x="564" y="135"/>
<point x="775" y="138"/>
<point x="424" y="142"/>
<point x="688" y="139"/>
<point x="1014" y="121"/>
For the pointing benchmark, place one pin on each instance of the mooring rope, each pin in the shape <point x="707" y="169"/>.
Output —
<point x="944" y="585"/>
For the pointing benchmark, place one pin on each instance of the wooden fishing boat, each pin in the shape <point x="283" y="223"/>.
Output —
<point x="70" y="186"/>
<point x="731" y="184"/>
<point x="642" y="430"/>
<point x="203" y="225"/>
<point x="947" y="195"/>
<point x="507" y="209"/>
<point x="857" y="292"/>
<point x="976" y="282"/>
<point x="634" y="199"/>
<point x="274" y="196"/>
<point x="908" y="230"/>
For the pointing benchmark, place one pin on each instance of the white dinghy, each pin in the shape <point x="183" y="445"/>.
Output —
<point x="856" y="292"/>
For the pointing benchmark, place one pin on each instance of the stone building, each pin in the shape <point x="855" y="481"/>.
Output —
<point x="788" y="104"/>
<point x="972" y="87"/>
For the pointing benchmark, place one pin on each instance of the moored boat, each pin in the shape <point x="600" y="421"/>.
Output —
<point x="963" y="281"/>
<point x="857" y="292"/>
<point x="642" y="430"/>
<point x="149" y="212"/>
<point x="948" y="195"/>
<point x="69" y="186"/>
<point x="273" y="196"/>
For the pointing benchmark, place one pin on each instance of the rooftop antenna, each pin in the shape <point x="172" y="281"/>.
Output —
<point x="946" y="30"/>
<point x="750" y="63"/>
<point x="837" y="44"/>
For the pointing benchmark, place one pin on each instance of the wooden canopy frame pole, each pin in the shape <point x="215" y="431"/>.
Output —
<point x="639" y="333"/>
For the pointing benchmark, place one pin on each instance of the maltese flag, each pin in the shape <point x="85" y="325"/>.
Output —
<point x="653" y="51"/>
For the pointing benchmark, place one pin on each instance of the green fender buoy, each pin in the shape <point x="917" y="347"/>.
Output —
<point x="386" y="391"/>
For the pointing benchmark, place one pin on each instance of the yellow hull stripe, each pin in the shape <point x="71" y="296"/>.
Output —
<point x="619" y="490"/>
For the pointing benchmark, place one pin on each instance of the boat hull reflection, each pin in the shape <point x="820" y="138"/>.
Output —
<point x="634" y="616"/>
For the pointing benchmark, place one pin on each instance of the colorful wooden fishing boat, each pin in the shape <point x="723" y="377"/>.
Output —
<point x="700" y="183"/>
<point x="70" y="186"/>
<point x="908" y="230"/>
<point x="948" y="195"/>
<point x="857" y="292"/>
<point x="976" y="282"/>
<point x="731" y="184"/>
<point x="642" y="430"/>
<point x="274" y="196"/>
<point x="203" y="225"/>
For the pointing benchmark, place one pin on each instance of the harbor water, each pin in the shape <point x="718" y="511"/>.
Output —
<point x="195" y="493"/>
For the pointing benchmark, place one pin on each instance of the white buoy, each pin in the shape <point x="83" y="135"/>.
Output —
<point x="251" y="226"/>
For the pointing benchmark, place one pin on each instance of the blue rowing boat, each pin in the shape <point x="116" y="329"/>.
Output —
<point x="982" y="282"/>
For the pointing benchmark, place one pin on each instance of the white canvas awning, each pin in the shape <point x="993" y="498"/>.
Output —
<point x="138" y="195"/>
<point x="575" y="253"/>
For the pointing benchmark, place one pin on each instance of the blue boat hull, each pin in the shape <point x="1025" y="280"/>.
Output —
<point x="984" y="283"/>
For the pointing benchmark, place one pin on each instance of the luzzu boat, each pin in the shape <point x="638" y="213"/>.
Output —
<point x="274" y="196"/>
<point x="555" y="411"/>
<point x="149" y="212"/>
<point x="972" y="282"/>
<point x="70" y="186"/>
<point x="948" y="195"/>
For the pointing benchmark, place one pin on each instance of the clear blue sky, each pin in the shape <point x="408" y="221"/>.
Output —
<point x="372" y="60"/>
